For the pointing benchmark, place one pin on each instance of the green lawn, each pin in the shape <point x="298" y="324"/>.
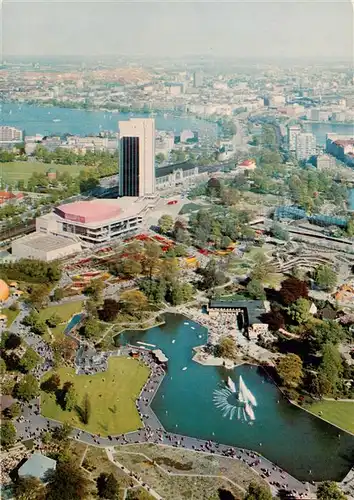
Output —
<point x="11" y="316"/>
<point x="340" y="413"/>
<point x="17" y="170"/>
<point x="65" y="311"/>
<point x="112" y="395"/>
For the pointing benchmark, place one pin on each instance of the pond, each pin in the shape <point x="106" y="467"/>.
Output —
<point x="75" y="320"/>
<point x="305" y="446"/>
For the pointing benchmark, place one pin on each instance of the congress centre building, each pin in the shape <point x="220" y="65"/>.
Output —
<point x="96" y="221"/>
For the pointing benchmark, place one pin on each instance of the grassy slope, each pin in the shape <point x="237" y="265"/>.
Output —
<point x="65" y="311"/>
<point x="112" y="395"/>
<point x="340" y="413"/>
<point x="16" y="170"/>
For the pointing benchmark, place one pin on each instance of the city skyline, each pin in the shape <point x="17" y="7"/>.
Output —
<point x="229" y="29"/>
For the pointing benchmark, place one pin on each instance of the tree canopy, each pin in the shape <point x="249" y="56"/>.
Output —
<point x="289" y="369"/>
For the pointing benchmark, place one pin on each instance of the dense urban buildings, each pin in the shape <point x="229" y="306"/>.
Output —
<point x="137" y="157"/>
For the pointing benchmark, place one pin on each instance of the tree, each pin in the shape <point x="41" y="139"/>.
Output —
<point x="165" y="223"/>
<point x="61" y="433"/>
<point x="168" y="268"/>
<point x="7" y="434"/>
<point x="67" y="482"/>
<point x="138" y="494"/>
<point x="107" y="486"/>
<point x="292" y="289"/>
<point x="64" y="348"/>
<point x="299" y="311"/>
<point x="279" y="232"/>
<point x="12" y="341"/>
<point x="70" y="398"/>
<point x="225" y="242"/>
<point x="325" y="277"/>
<point x="13" y="411"/>
<point x="52" y="384"/>
<point x="58" y="294"/>
<point x="289" y="369"/>
<point x="28" y="488"/>
<point x="257" y="491"/>
<point x="29" y="360"/>
<point x="54" y="320"/>
<point x="86" y="409"/>
<point x="212" y="276"/>
<point x="152" y="253"/>
<point x="262" y="267"/>
<point x="255" y="290"/>
<point x="27" y="388"/>
<point x="109" y="310"/>
<point x="274" y="319"/>
<point x="226" y="348"/>
<point x="95" y="290"/>
<point x="92" y="328"/>
<point x="133" y="301"/>
<point x="131" y="268"/>
<point x="2" y="366"/>
<point x="38" y="296"/>
<point x="331" y="368"/>
<point x="329" y="490"/>
<point x="327" y="332"/>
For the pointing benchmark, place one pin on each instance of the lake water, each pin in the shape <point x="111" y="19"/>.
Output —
<point x="320" y="130"/>
<point x="289" y="436"/>
<point x="36" y="119"/>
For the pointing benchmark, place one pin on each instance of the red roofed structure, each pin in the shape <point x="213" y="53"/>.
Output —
<point x="86" y="212"/>
<point x="248" y="164"/>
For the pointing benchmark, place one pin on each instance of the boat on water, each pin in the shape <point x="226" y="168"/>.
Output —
<point x="56" y="120"/>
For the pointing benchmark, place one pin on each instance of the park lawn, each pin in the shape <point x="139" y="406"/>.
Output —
<point x="58" y="331"/>
<point x="11" y="315"/>
<point x="112" y="395"/>
<point x="340" y="413"/>
<point x="22" y="170"/>
<point x="65" y="311"/>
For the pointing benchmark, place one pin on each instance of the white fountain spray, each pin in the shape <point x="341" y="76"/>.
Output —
<point x="232" y="401"/>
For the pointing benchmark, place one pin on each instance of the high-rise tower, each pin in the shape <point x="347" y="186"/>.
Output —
<point x="137" y="157"/>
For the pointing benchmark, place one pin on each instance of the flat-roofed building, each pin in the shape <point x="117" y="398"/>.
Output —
<point x="178" y="174"/>
<point x="97" y="221"/>
<point x="10" y="134"/>
<point x="45" y="247"/>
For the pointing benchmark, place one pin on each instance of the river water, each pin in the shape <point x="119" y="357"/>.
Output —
<point x="285" y="434"/>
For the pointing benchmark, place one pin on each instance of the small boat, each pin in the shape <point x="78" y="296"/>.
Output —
<point x="173" y="341"/>
<point x="186" y="323"/>
<point x="184" y="369"/>
<point x="193" y="327"/>
<point x="56" y="120"/>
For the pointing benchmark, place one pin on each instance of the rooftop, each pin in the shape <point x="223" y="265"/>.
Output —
<point x="95" y="212"/>
<point x="255" y="308"/>
<point x="37" y="466"/>
<point x="169" y="169"/>
<point x="48" y="242"/>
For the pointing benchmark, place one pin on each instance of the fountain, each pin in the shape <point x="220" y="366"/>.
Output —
<point x="232" y="401"/>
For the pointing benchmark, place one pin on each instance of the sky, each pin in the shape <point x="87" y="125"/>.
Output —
<point x="240" y="29"/>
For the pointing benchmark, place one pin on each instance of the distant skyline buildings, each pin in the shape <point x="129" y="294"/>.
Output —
<point x="137" y="157"/>
<point x="285" y="29"/>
